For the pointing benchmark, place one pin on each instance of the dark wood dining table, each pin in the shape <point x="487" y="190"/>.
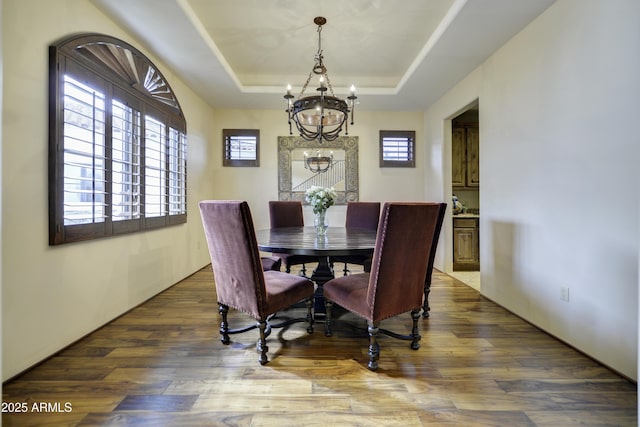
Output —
<point x="305" y="241"/>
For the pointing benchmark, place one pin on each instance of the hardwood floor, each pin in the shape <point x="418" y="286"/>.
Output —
<point x="162" y="364"/>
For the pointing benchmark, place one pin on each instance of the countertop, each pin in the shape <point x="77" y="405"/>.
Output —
<point x="466" y="215"/>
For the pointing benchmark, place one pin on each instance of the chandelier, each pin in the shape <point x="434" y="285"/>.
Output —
<point x="319" y="163"/>
<point x="321" y="116"/>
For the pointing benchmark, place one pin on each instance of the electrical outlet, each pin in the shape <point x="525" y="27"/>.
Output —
<point x="564" y="293"/>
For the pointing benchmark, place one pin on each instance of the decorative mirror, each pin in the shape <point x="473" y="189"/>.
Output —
<point x="295" y="177"/>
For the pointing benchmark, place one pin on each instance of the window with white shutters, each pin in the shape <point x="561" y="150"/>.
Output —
<point x="397" y="148"/>
<point x="241" y="147"/>
<point x="117" y="144"/>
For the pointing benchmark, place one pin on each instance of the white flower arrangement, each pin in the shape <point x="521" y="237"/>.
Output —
<point x="320" y="198"/>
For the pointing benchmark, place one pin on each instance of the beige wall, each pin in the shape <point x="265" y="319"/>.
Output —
<point x="1" y="173"/>
<point x="259" y="185"/>
<point x="53" y="296"/>
<point x="559" y="191"/>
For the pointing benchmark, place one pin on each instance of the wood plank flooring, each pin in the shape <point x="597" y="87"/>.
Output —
<point x="162" y="364"/>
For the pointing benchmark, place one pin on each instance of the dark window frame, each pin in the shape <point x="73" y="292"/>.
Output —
<point x="409" y="160"/>
<point x="114" y="69"/>
<point x="228" y="158"/>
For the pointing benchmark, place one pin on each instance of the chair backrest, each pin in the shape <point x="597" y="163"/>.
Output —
<point x="235" y="257"/>
<point x="434" y="244"/>
<point x="400" y="258"/>
<point x="363" y="215"/>
<point x="285" y="213"/>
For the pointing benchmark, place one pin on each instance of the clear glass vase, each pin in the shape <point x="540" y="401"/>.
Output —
<point x="320" y="223"/>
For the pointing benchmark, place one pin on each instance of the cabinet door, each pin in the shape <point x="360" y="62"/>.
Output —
<point x="466" y="247"/>
<point x="466" y="239"/>
<point x="473" y="157"/>
<point x="458" y="157"/>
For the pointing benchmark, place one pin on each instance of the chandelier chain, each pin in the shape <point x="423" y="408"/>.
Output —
<point x="318" y="66"/>
<point x="326" y="77"/>
<point x="305" y="85"/>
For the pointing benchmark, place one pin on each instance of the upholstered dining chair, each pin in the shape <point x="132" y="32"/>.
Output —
<point x="364" y="215"/>
<point x="288" y="213"/>
<point x="271" y="263"/>
<point x="432" y="256"/>
<point x="238" y="273"/>
<point x="395" y="284"/>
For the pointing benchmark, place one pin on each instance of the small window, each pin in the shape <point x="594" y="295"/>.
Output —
<point x="241" y="147"/>
<point x="397" y="148"/>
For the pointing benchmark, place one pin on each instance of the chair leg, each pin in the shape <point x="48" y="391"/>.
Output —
<point x="374" y="347"/>
<point x="345" y="270"/>
<point x="262" y="343"/>
<point x="224" y="325"/>
<point x="415" y="335"/>
<point x="425" y="303"/>
<point x="303" y="271"/>
<point x="310" y="318"/>
<point x="328" y="305"/>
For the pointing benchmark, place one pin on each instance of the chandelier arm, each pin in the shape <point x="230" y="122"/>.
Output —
<point x="321" y="125"/>
<point x="312" y="135"/>
<point x="304" y="132"/>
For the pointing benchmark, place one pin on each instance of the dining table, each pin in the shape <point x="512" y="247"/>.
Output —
<point x="337" y="241"/>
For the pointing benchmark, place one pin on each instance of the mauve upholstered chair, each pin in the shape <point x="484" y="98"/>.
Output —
<point x="364" y="215"/>
<point x="271" y="263"/>
<point x="238" y="274"/>
<point x="288" y="213"/>
<point x="432" y="256"/>
<point x="395" y="284"/>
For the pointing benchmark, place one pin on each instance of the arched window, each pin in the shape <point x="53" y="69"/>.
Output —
<point x="117" y="142"/>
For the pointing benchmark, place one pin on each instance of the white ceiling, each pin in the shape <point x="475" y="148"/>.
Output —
<point x="400" y="54"/>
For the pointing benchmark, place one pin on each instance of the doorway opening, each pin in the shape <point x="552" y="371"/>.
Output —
<point x="465" y="186"/>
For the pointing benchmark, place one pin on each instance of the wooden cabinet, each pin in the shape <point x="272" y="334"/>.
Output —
<point x="466" y="244"/>
<point x="458" y="157"/>
<point x="465" y="156"/>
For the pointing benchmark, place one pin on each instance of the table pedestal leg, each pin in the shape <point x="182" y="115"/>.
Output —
<point x="321" y="275"/>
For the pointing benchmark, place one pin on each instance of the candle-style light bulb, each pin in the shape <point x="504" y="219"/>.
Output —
<point x="288" y="89"/>
<point x="353" y="90"/>
<point x="321" y="81"/>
